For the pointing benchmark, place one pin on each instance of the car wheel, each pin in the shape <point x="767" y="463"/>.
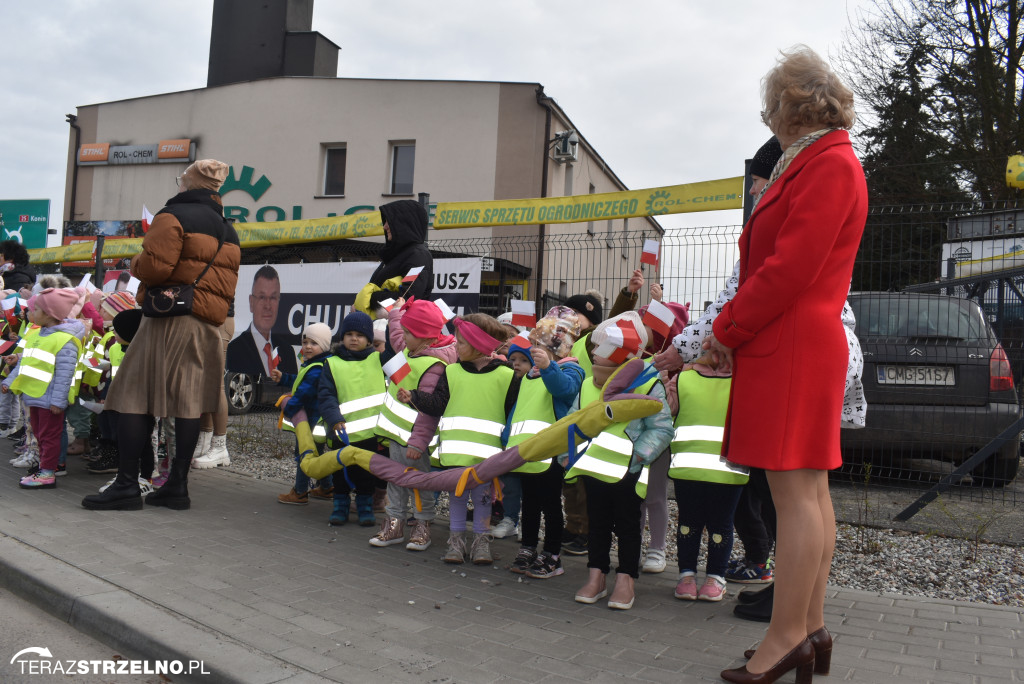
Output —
<point x="999" y="470"/>
<point x="241" y="392"/>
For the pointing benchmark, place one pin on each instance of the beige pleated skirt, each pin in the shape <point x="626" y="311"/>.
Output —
<point x="174" y="368"/>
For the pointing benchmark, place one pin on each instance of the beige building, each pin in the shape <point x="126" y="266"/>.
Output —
<point x="309" y="147"/>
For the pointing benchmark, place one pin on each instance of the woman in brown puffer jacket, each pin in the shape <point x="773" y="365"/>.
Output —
<point x="174" y="367"/>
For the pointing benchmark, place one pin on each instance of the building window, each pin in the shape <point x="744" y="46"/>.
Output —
<point x="334" y="170"/>
<point x="403" y="160"/>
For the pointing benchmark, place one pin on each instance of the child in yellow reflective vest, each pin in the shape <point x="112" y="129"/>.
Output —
<point x="614" y="464"/>
<point x="45" y="375"/>
<point x="550" y="385"/>
<point x="350" y="394"/>
<point x="707" y="486"/>
<point x="415" y="329"/>
<point x="473" y="400"/>
<point x="302" y="402"/>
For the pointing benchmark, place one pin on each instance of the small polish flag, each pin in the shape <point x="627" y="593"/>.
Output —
<point x="650" y="254"/>
<point x="94" y="362"/>
<point x="622" y="343"/>
<point x="520" y="340"/>
<point x="412" y="274"/>
<point x="524" y="313"/>
<point x="275" y="359"/>
<point x="388" y="304"/>
<point x="397" y="368"/>
<point x="9" y="303"/>
<point x="446" y="310"/>
<point x="8" y="347"/>
<point x="147" y="218"/>
<point x="659" y="318"/>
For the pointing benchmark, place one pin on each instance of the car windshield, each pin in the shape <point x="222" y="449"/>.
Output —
<point x="902" y="316"/>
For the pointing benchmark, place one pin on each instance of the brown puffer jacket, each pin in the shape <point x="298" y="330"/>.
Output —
<point x="181" y="241"/>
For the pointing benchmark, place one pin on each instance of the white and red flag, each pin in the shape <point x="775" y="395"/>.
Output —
<point x="652" y="249"/>
<point x="412" y="274"/>
<point x="520" y="340"/>
<point x="524" y="313"/>
<point x="659" y="318"/>
<point x="147" y="218"/>
<point x="622" y="343"/>
<point x="387" y="304"/>
<point x="274" y="360"/>
<point x="397" y="368"/>
<point x="446" y="310"/>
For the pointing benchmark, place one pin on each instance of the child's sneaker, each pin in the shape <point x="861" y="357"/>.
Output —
<point x="686" y="590"/>
<point x="481" y="549"/>
<point x="545" y="566"/>
<point x="505" y="528"/>
<point x="27" y="460"/>
<point x="38" y="481"/>
<point x="524" y="559"/>
<point x="456" y="553"/>
<point x="293" y="498"/>
<point x="419" y="540"/>
<point x="655" y="561"/>
<point x="392" y="531"/>
<point x="713" y="590"/>
<point x="743" y="572"/>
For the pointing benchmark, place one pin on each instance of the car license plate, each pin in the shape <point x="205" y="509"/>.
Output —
<point x="915" y="375"/>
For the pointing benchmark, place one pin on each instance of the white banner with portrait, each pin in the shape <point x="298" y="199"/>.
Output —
<point x="272" y="313"/>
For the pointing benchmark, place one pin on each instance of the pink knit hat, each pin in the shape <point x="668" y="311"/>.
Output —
<point x="60" y="303"/>
<point x="423" y="319"/>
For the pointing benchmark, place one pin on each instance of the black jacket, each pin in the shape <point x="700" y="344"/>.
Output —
<point x="19" y="277"/>
<point x="407" y="248"/>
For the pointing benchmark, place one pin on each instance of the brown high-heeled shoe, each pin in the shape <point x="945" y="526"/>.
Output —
<point x="801" y="658"/>
<point x="821" y="640"/>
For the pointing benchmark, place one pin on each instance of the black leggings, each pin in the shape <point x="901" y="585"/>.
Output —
<point x="614" y="507"/>
<point x="542" y="493"/>
<point x="135" y="448"/>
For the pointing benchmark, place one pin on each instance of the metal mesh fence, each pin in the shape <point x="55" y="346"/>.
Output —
<point x="944" y="346"/>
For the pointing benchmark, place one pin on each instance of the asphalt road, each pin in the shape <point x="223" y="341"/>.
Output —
<point x="26" y="626"/>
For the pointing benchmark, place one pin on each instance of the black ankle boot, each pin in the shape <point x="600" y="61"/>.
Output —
<point x="122" y="495"/>
<point x="750" y="596"/>
<point x="174" y="493"/>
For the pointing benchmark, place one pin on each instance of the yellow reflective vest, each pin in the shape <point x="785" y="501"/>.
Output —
<point x="474" y="419"/>
<point x="286" y="424"/>
<point x="534" y="411"/>
<point x="38" y="364"/>
<point x="360" y="392"/>
<point x="699" y="429"/>
<point x="396" y="419"/>
<point x="609" y="454"/>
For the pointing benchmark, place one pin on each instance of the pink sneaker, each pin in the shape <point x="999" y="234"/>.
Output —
<point x="687" y="588"/>
<point x="38" y="481"/>
<point x="713" y="590"/>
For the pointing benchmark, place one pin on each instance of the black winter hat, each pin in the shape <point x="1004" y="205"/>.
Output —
<point x="126" y="324"/>
<point x="765" y="159"/>
<point x="588" y="305"/>
<point x="358" y="322"/>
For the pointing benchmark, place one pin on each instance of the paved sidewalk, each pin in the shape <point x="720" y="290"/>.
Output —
<point x="262" y="592"/>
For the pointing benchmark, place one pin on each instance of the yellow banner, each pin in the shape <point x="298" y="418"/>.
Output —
<point x="715" y="195"/>
<point x="673" y="199"/>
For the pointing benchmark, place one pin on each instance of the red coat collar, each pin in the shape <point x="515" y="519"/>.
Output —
<point x="828" y="141"/>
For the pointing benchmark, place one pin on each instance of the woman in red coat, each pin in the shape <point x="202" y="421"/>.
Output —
<point x="783" y="337"/>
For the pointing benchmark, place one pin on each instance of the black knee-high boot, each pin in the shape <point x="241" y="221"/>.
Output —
<point x="124" y="494"/>
<point x="174" y="493"/>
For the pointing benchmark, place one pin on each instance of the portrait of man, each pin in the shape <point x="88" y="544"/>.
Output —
<point x="250" y="352"/>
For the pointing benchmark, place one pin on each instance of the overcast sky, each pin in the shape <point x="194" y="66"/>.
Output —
<point x="666" y="91"/>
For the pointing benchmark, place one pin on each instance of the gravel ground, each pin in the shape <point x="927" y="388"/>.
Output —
<point x="869" y="557"/>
